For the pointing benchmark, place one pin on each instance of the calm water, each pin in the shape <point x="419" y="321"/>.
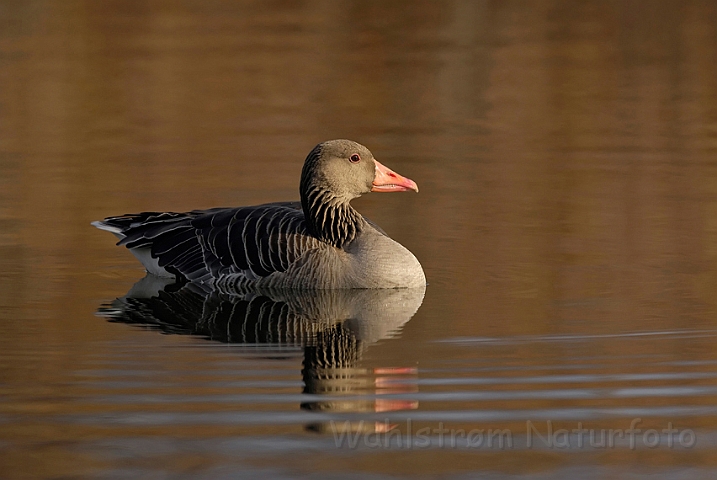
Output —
<point x="567" y="222"/>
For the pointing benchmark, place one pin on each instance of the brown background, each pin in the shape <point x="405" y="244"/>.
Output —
<point x="565" y="151"/>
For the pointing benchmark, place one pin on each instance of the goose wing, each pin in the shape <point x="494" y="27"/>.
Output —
<point x="205" y="244"/>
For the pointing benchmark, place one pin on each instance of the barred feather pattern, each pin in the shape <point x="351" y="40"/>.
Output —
<point x="331" y="220"/>
<point x="235" y="248"/>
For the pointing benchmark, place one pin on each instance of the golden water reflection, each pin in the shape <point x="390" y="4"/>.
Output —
<point x="566" y="157"/>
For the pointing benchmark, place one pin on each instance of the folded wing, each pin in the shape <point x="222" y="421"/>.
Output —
<point x="204" y="245"/>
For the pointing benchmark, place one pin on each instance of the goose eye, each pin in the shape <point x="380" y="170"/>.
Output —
<point x="355" y="158"/>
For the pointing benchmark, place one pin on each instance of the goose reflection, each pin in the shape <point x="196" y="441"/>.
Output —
<point x="332" y="327"/>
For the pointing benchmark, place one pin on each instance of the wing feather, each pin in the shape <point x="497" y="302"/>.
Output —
<point x="205" y="244"/>
<point x="235" y="238"/>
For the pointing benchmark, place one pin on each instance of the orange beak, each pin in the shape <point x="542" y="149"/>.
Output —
<point x="386" y="180"/>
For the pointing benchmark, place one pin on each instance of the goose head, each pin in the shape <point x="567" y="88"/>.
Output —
<point x="347" y="170"/>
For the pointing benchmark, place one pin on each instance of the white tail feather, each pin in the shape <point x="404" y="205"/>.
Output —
<point x="108" y="228"/>
<point x="143" y="254"/>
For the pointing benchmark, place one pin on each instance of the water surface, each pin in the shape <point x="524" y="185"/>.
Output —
<point x="567" y="224"/>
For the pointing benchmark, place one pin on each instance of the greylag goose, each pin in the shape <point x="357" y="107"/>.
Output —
<point x="321" y="242"/>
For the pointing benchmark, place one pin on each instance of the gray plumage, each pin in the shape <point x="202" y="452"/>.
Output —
<point x="321" y="242"/>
